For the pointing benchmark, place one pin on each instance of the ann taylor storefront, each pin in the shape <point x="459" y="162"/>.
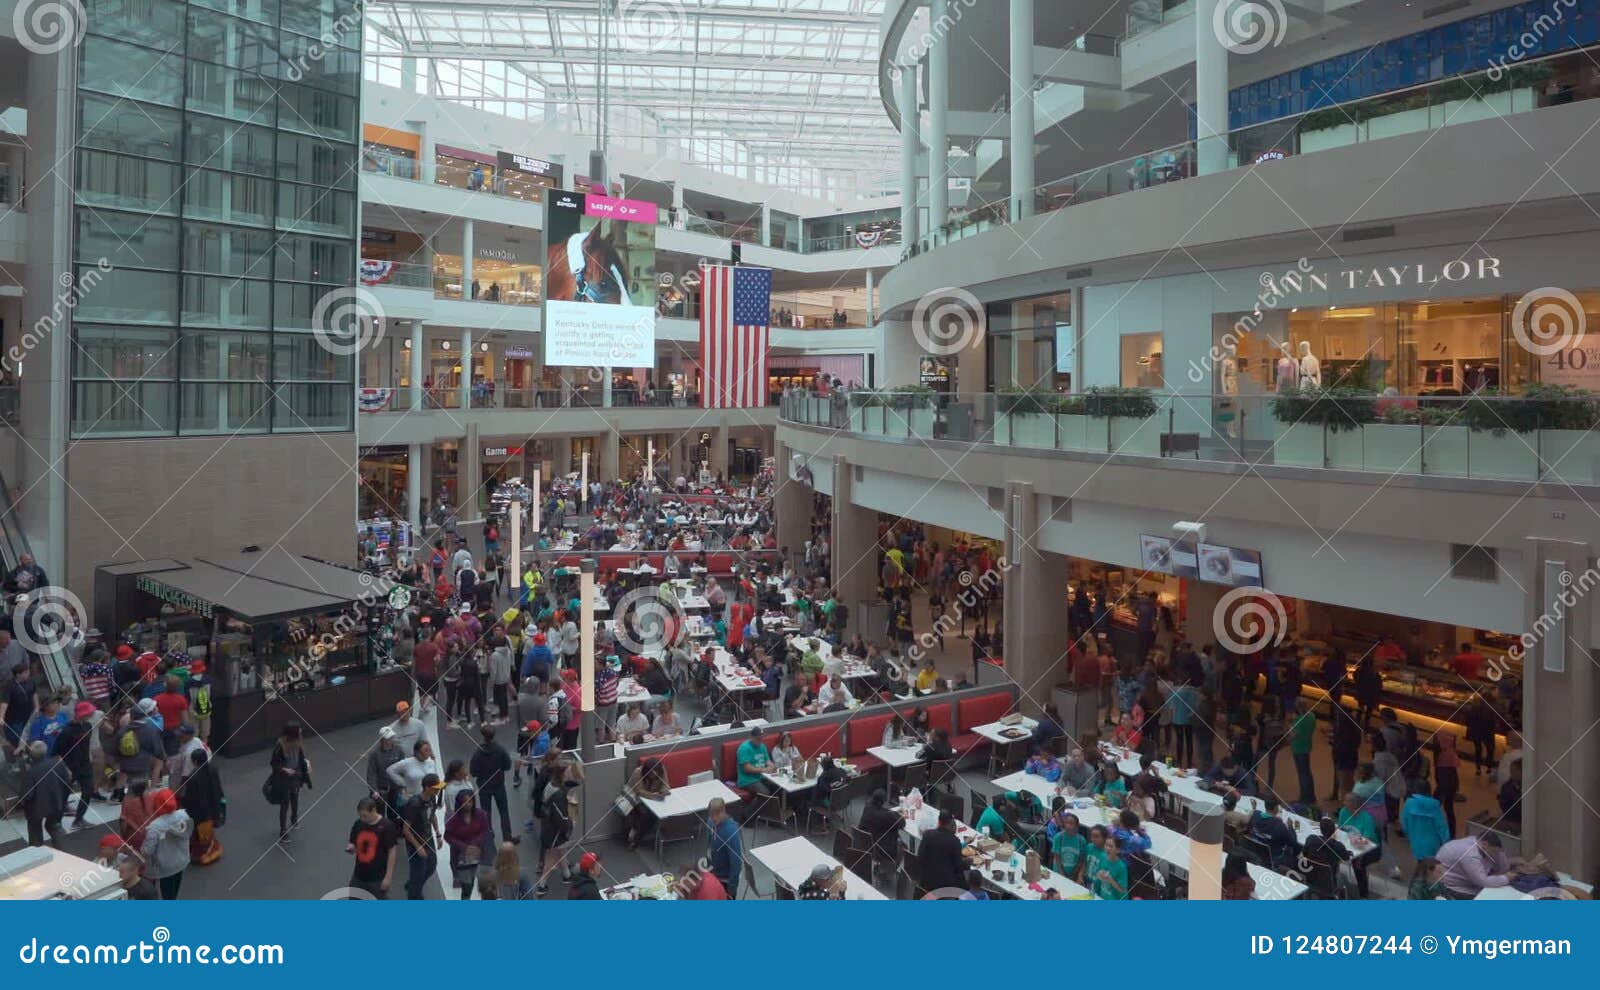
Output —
<point x="1442" y="321"/>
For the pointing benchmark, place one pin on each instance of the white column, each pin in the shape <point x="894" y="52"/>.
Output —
<point x="871" y="307"/>
<point x="418" y="401"/>
<point x="1210" y="90"/>
<point x="414" y="455"/>
<point x="677" y="205"/>
<point x="938" y="104"/>
<point x="910" y="144"/>
<point x="466" y="368"/>
<point x="1021" y="109"/>
<point x="766" y="225"/>
<point x="605" y="387"/>
<point x="466" y="259"/>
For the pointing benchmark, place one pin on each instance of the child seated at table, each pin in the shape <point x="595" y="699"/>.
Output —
<point x="1043" y="763"/>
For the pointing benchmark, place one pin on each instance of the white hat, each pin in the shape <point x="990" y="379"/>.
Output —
<point x="387" y="732"/>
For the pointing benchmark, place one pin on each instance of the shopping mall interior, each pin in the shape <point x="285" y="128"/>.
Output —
<point x="800" y="449"/>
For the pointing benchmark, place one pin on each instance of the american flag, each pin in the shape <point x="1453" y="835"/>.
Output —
<point x="735" y="305"/>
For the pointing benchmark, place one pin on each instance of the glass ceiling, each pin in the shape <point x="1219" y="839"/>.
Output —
<point x="758" y="88"/>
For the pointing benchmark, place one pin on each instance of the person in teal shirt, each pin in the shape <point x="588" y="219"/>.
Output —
<point x="1355" y="818"/>
<point x="1424" y="820"/>
<point x="1094" y="854"/>
<point x="1301" y="735"/>
<point x="1111" y="878"/>
<point x="991" y="821"/>
<point x="1069" y="847"/>
<point x="1111" y="786"/>
<point x="753" y="760"/>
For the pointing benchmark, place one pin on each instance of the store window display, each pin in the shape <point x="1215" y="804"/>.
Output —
<point x="1142" y="365"/>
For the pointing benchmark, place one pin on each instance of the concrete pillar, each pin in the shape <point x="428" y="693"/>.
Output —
<point x="605" y="387"/>
<point x="719" y="450"/>
<point x="1035" y="616"/>
<point x="418" y="396"/>
<point x="415" y="453"/>
<point x="1560" y="758"/>
<point x="1210" y="90"/>
<point x="791" y="504"/>
<point x="467" y="250"/>
<point x="766" y="225"/>
<point x="872" y="320"/>
<point x="898" y="354"/>
<point x="677" y="206"/>
<point x="1200" y="626"/>
<point x="610" y="454"/>
<point x="562" y="447"/>
<point x="1022" y="182"/>
<point x="469" y="473"/>
<point x="910" y="145"/>
<point x="466" y="368"/>
<point x="938" y="106"/>
<point x="853" y="541"/>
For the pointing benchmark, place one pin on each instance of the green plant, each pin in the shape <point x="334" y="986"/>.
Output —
<point x="909" y="397"/>
<point x="1337" y="409"/>
<point x="1021" y="401"/>
<point x="1109" y="401"/>
<point x="1537" y="407"/>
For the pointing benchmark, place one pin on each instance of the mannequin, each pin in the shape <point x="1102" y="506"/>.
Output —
<point x="1288" y="369"/>
<point x="1228" y="409"/>
<point x="1310" y="367"/>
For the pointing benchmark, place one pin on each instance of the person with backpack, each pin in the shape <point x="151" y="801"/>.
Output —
<point x="555" y="827"/>
<point x="140" y="752"/>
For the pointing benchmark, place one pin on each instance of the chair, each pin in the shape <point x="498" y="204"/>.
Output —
<point x="941" y="775"/>
<point x="781" y="891"/>
<point x="1323" y="880"/>
<point x="908" y="878"/>
<point x="1250" y="844"/>
<point x="702" y="777"/>
<point x="955" y="804"/>
<point x="747" y="878"/>
<point x="678" y="828"/>
<point x="843" y="844"/>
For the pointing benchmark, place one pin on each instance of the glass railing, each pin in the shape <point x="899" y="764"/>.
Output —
<point x="447" y="284"/>
<point x="1147" y="15"/>
<point x="1427" y="108"/>
<point x="786" y="314"/>
<point x="457" y="176"/>
<point x="377" y="272"/>
<point x="497" y="395"/>
<point x="1502" y="438"/>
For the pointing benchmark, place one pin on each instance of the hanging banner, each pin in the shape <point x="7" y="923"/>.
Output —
<point x="373" y="400"/>
<point x="376" y="272"/>
<point x="868" y="238"/>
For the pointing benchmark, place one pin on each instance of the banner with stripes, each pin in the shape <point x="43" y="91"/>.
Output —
<point x="735" y="308"/>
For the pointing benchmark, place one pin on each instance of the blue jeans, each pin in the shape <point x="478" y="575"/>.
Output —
<point x="419" y="867"/>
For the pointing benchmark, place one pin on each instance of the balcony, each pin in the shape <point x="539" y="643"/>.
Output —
<point x="1552" y="436"/>
<point x="1421" y="110"/>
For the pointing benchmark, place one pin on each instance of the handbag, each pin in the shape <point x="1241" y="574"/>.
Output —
<point x="269" y="792"/>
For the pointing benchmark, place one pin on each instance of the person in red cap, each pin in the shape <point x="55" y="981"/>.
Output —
<point x="199" y="691"/>
<point x="585" y="884"/>
<point x="74" y="745"/>
<point x="166" y="843"/>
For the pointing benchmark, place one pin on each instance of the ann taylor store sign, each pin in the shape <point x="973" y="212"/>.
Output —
<point x="1423" y="275"/>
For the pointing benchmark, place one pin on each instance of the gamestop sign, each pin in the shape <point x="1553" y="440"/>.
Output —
<point x="600" y="281"/>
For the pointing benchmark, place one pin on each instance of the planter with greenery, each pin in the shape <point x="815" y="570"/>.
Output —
<point x="1122" y="421"/>
<point x="1322" y="427"/>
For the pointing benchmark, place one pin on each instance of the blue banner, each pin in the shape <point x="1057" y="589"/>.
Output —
<point x="265" y="944"/>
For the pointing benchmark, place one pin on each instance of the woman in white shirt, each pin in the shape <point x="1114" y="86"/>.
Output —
<point x="407" y="774"/>
<point x="785" y="754"/>
<point x="833" y="694"/>
<point x="633" y="724"/>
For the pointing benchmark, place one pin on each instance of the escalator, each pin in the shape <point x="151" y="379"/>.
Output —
<point x="59" y="673"/>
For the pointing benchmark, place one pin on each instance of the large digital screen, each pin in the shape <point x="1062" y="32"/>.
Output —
<point x="599" y="282"/>
<point x="1165" y="555"/>
<point x="1230" y="565"/>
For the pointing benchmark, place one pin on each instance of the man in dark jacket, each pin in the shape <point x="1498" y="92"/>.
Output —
<point x="939" y="858"/>
<point x="73" y="745"/>
<point x="881" y="825"/>
<point x="584" y="886"/>
<point x="46" y="792"/>
<point x="489" y="765"/>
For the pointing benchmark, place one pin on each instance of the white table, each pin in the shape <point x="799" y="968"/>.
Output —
<point x="788" y="784"/>
<point x="1029" y="783"/>
<point x="792" y="860"/>
<point x="897" y="757"/>
<point x="631" y="692"/>
<point x="749" y="723"/>
<point x="628" y="890"/>
<point x="995" y="731"/>
<point x="690" y="799"/>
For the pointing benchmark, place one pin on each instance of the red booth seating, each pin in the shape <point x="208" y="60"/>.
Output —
<point x="730" y="760"/>
<point x="938" y="718"/>
<point x="979" y="711"/>
<point x="680" y="763"/>
<point x="866" y="732"/>
<point x="819" y="739"/>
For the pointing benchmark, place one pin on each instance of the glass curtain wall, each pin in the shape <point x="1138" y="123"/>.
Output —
<point x="215" y="209"/>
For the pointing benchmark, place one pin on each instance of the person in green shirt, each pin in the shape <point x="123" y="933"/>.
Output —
<point x="1111" y="785"/>
<point x="1069" y="847"/>
<point x="1094" y="853"/>
<point x="753" y="760"/>
<point x="991" y="821"/>
<point x="1111" y="879"/>
<point x="1301" y="736"/>
<point x="1354" y="818"/>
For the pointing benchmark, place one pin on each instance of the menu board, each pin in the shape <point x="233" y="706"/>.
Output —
<point x="1165" y="555"/>
<point x="1230" y="565"/>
